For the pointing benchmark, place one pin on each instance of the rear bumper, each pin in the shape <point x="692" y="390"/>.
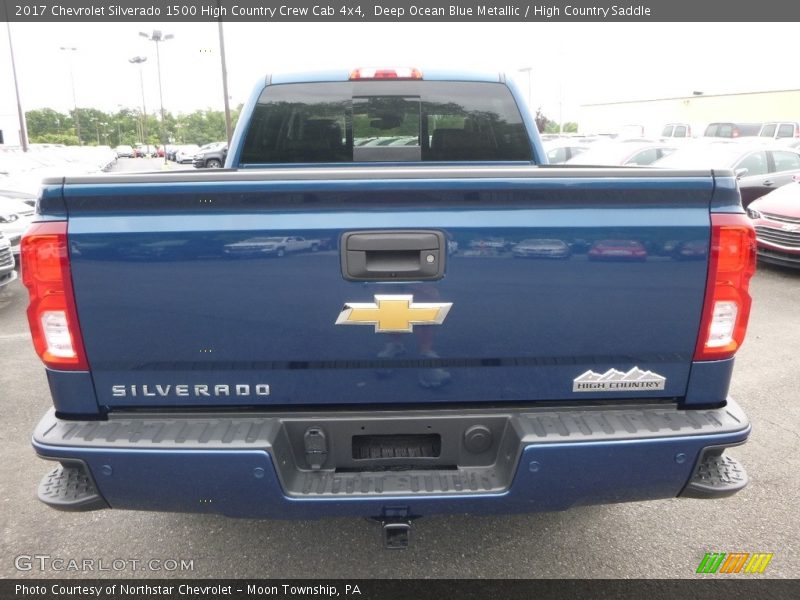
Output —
<point x="784" y="258"/>
<point x="526" y="460"/>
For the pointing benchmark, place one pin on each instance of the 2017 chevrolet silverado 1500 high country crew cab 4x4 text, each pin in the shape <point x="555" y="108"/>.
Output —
<point x="403" y="368"/>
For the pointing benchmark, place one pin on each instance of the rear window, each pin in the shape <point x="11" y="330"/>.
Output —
<point x="768" y="130"/>
<point x="380" y="121"/>
<point x="786" y="130"/>
<point x="748" y="128"/>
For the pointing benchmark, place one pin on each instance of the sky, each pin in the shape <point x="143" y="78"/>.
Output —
<point x="571" y="63"/>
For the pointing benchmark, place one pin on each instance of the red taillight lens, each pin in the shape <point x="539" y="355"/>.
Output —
<point x="731" y="264"/>
<point x="401" y="73"/>
<point x="51" y="312"/>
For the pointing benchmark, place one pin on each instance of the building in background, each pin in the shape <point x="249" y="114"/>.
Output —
<point x="698" y="110"/>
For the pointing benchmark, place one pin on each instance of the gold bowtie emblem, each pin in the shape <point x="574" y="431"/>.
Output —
<point x="393" y="314"/>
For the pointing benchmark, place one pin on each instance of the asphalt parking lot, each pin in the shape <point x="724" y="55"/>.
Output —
<point x="651" y="540"/>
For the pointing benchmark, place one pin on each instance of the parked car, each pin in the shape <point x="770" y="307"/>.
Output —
<point x="776" y="130"/>
<point x="561" y="150"/>
<point x="144" y="151"/>
<point x="759" y="169"/>
<point x="10" y="204"/>
<point x="626" y="152"/>
<point x="490" y="243"/>
<point x="776" y="217"/>
<point x="541" y="248"/>
<point x="7" y="272"/>
<point x="13" y="225"/>
<point x="171" y="150"/>
<point x="211" y="156"/>
<point x="124" y="151"/>
<point x="185" y="153"/>
<point x="732" y="130"/>
<point x="19" y="202"/>
<point x="271" y="246"/>
<point x="676" y="130"/>
<point x="617" y="250"/>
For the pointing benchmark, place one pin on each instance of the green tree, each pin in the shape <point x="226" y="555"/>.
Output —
<point x="126" y="126"/>
<point x="47" y="121"/>
<point x="568" y="127"/>
<point x="67" y="139"/>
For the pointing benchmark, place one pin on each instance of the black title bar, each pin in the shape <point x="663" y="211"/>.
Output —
<point x="383" y="589"/>
<point x="393" y="11"/>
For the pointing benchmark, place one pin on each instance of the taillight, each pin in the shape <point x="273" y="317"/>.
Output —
<point x="401" y="73"/>
<point x="732" y="262"/>
<point x="51" y="313"/>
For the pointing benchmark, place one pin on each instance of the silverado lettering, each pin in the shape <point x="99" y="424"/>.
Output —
<point x="580" y="354"/>
<point x="122" y="391"/>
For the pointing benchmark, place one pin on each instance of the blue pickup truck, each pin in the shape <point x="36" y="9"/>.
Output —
<point x="411" y="364"/>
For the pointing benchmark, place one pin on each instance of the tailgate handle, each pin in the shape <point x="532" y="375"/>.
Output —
<point x="403" y="255"/>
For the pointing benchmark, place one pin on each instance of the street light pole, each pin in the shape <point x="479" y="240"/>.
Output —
<point x="157" y="36"/>
<point x="139" y="60"/>
<point x="74" y="97"/>
<point x="23" y="130"/>
<point x="228" y="129"/>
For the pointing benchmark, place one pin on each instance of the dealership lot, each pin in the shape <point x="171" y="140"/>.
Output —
<point x="652" y="539"/>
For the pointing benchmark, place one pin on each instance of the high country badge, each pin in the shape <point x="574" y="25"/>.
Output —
<point x="612" y="380"/>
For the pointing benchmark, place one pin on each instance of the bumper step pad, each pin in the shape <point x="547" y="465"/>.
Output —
<point x="716" y="476"/>
<point x="69" y="487"/>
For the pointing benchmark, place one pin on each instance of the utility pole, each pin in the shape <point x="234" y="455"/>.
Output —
<point x="23" y="130"/>
<point x="139" y="60"/>
<point x="158" y="36"/>
<point x="228" y="128"/>
<point x="69" y="50"/>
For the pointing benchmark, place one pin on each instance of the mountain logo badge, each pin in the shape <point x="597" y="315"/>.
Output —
<point x="613" y="380"/>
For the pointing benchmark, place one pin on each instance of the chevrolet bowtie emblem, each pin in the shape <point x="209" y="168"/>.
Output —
<point x="393" y="314"/>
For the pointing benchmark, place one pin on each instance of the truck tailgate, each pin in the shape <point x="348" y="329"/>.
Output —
<point x="553" y="276"/>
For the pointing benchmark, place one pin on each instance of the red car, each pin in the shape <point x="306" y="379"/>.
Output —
<point x="617" y="250"/>
<point x="776" y="218"/>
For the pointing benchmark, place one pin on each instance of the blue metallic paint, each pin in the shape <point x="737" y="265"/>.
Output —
<point x="243" y="124"/>
<point x="709" y="381"/>
<point x="160" y="301"/>
<point x="225" y="482"/>
<point x="72" y="392"/>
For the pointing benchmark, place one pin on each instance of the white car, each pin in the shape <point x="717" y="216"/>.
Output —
<point x="7" y="272"/>
<point x="186" y="153"/>
<point x="12" y="226"/>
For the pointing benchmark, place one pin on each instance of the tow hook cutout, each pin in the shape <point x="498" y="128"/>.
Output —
<point x="396" y="533"/>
